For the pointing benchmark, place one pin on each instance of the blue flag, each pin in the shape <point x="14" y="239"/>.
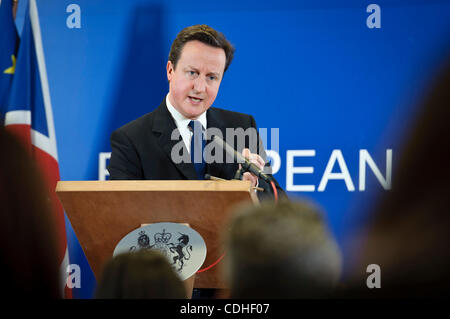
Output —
<point x="8" y="52"/>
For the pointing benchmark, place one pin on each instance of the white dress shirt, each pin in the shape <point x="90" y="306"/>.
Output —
<point x="182" y="123"/>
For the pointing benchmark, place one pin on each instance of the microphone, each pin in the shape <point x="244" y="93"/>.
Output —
<point x="246" y="164"/>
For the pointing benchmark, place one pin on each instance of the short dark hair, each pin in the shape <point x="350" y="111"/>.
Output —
<point x="145" y="274"/>
<point x="204" y="34"/>
<point x="280" y="250"/>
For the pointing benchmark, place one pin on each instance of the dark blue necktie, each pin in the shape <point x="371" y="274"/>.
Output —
<point x="197" y="147"/>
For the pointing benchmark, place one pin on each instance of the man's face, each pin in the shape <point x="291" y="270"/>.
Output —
<point x="194" y="84"/>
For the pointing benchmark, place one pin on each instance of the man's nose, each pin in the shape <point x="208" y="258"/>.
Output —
<point x="199" y="84"/>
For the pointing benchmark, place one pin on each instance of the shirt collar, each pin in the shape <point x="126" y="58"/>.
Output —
<point x="180" y="119"/>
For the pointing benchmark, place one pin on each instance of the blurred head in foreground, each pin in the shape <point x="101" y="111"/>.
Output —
<point x="28" y="250"/>
<point x="408" y="236"/>
<point x="145" y="274"/>
<point x="280" y="250"/>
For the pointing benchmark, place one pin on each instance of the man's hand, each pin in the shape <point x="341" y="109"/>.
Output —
<point x="255" y="159"/>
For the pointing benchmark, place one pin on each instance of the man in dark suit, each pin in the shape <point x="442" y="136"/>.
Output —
<point x="146" y="147"/>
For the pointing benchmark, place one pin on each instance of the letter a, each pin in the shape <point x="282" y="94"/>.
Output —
<point x="374" y="279"/>
<point x="73" y="279"/>
<point x="73" y="20"/>
<point x="374" y="20"/>
<point x="336" y="155"/>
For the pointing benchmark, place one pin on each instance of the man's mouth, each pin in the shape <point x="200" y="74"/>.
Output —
<point x="195" y="99"/>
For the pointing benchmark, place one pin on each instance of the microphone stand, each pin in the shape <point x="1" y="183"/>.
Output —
<point x="240" y="173"/>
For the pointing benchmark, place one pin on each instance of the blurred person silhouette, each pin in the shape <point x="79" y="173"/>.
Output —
<point x="144" y="274"/>
<point x="28" y="249"/>
<point x="280" y="250"/>
<point x="408" y="235"/>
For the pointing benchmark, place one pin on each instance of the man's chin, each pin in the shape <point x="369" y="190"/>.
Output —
<point x="194" y="112"/>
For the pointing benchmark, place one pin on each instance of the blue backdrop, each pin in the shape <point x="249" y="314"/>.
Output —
<point x="313" y="69"/>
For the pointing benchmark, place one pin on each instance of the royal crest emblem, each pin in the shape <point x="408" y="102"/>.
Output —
<point x="174" y="242"/>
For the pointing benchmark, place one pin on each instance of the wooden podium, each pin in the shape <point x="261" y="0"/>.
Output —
<point x="103" y="212"/>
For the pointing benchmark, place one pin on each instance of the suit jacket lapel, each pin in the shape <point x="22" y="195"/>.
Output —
<point x="164" y="125"/>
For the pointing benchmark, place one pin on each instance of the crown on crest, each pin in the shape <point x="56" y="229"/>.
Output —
<point x="162" y="238"/>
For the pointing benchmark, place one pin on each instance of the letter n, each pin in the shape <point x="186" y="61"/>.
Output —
<point x="365" y="158"/>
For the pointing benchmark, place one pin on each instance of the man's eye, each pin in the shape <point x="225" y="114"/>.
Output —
<point x="192" y="73"/>
<point x="212" y="77"/>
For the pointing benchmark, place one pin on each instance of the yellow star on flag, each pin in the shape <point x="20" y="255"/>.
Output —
<point x="12" y="68"/>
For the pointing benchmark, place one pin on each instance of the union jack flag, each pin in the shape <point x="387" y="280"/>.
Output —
<point x="29" y="115"/>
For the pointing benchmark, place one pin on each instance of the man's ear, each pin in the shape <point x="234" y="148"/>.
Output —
<point x="170" y="69"/>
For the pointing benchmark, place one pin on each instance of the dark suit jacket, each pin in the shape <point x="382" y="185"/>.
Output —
<point x="142" y="148"/>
